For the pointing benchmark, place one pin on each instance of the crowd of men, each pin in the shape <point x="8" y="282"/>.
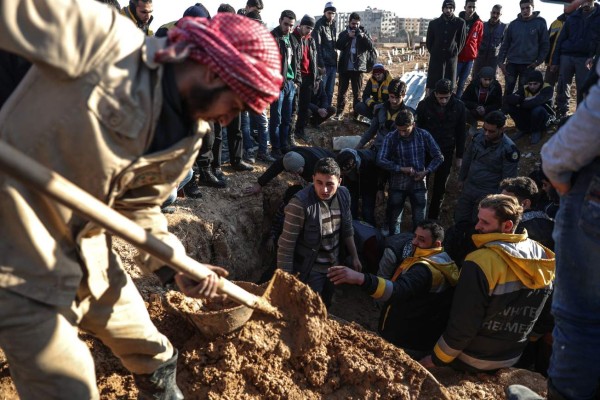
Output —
<point x="475" y="296"/>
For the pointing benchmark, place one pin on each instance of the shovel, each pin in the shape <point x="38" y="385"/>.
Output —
<point x="51" y="184"/>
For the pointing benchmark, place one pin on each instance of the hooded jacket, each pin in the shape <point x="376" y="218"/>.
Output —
<point x="474" y="28"/>
<point x="525" y="41"/>
<point x="501" y="292"/>
<point x="376" y="92"/>
<point x="416" y="299"/>
<point x="492" y="102"/>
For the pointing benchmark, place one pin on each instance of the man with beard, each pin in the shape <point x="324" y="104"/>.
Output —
<point x="490" y="157"/>
<point x="403" y="154"/>
<point x="375" y="93"/>
<point x="417" y="297"/>
<point x="140" y="13"/>
<point x="446" y="38"/>
<point x="524" y="47"/>
<point x="501" y="293"/>
<point x="493" y="33"/>
<point x="474" y="28"/>
<point x="531" y="107"/>
<point x="130" y="120"/>
<point x="317" y="223"/>
<point x="385" y="115"/>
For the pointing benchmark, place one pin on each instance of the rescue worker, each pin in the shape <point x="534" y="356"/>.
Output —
<point x="375" y="92"/>
<point x="417" y="298"/>
<point x="130" y="120"/>
<point x="140" y="13"/>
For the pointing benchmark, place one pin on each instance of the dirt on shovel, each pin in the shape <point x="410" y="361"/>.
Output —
<point x="302" y="355"/>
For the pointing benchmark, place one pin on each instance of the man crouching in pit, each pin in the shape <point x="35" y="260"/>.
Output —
<point x="501" y="292"/>
<point x="122" y="116"/>
<point x="417" y="298"/>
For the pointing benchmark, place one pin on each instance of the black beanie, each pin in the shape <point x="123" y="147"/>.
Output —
<point x="443" y="86"/>
<point x="449" y="3"/>
<point x="329" y="7"/>
<point x="535" y="76"/>
<point x="308" y="21"/>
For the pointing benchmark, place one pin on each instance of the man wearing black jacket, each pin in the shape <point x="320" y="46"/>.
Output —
<point x="446" y="38"/>
<point x="364" y="179"/>
<point x="417" y="298"/>
<point x="299" y="160"/>
<point x="531" y="107"/>
<point x="281" y="110"/>
<point x="354" y="43"/>
<point x="325" y="35"/>
<point x="443" y="115"/>
<point x="482" y="96"/>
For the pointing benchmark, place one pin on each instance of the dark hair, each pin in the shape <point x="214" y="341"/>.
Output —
<point x="470" y="1"/>
<point x="526" y="2"/>
<point x="354" y="16"/>
<point x="113" y="3"/>
<point x="523" y="187"/>
<point x="497" y="6"/>
<point x="255" y="3"/>
<point x="287" y="13"/>
<point x="225" y="8"/>
<point x="437" y="232"/>
<point x="396" y="87"/>
<point x="404" y="118"/>
<point x="496" y="118"/>
<point x="506" y="208"/>
<point x="327" y="166"/>
<point x="135" y="2"/>
<point x="345" y="159"/>
<point x="255" y="15"/>
<point x="290" y="192"/>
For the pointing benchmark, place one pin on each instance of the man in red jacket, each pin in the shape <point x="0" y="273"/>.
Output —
<point x="467" y="56"/>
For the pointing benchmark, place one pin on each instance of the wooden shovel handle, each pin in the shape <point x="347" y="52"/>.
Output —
<point x="53" y="185"/>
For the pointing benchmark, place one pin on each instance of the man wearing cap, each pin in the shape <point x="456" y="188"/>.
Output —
<point x="325" y="34"/>
<point x="137" y="108"/>
<point x="490" y="157"/>
<point x="531" y="107"/>
<point x="481" y="97"/>
<point x="280" y="117"/>
<point x="354" y="43"/>
<point x="375" y="93"/>
<point x="317" y="223"/>
<point x="140" y="13"/>
<point x="403" y="154"/>
<point x="524" y="46"/>
<point x="474" y="28"/>
<point x="493" y="32"/>
<point x="308" y="70"/>
<point x="446" y="38"/>
<point x="299" y="161"/>
<point x="385" y="115"/>
<point x="443" y="115"/>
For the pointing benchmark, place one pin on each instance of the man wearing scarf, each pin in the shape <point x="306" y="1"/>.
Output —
<point x="417" y="298"/>
<point x="131" y="117"/>
<point x="501" y="292"/>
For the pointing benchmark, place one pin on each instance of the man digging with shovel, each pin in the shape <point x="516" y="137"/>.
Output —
<point x="122" y="116"/>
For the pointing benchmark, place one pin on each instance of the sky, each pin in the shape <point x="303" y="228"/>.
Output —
<point x="170" y="10"/>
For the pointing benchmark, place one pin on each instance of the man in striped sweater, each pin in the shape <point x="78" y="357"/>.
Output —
<point x="317" y="221"/>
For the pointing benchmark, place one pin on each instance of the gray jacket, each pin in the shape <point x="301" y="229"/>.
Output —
<point x="484" y="166"/>
<point x="525" y="41"/>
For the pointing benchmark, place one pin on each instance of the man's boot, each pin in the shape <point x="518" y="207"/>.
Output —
<point x="218" y="172"/>
<point x="207" y="178"/>
<point x="161" y="384"/>
<point x="191" y="189"/>
<point x="239" y="165"/>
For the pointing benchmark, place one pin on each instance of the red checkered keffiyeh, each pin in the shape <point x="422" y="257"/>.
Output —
<point x="242" y="50"/>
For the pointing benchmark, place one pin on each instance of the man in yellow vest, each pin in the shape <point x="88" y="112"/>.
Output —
<point x="501" y="293"/>
<point x="418" y="297"/>
<point x="140" y="13"/>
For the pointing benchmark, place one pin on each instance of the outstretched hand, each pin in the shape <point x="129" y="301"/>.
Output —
<point x="340" y="274"/>
<point x="206" y="288"/>
<point x="254" y="189"/>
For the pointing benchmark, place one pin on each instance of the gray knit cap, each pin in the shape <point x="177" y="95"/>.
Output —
<point x="292" y="161"/>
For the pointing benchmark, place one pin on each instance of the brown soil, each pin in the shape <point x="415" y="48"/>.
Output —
<point x="304" y="355"/>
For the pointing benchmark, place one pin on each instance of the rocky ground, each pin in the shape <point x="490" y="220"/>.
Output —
<point x="305" y="354"/>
